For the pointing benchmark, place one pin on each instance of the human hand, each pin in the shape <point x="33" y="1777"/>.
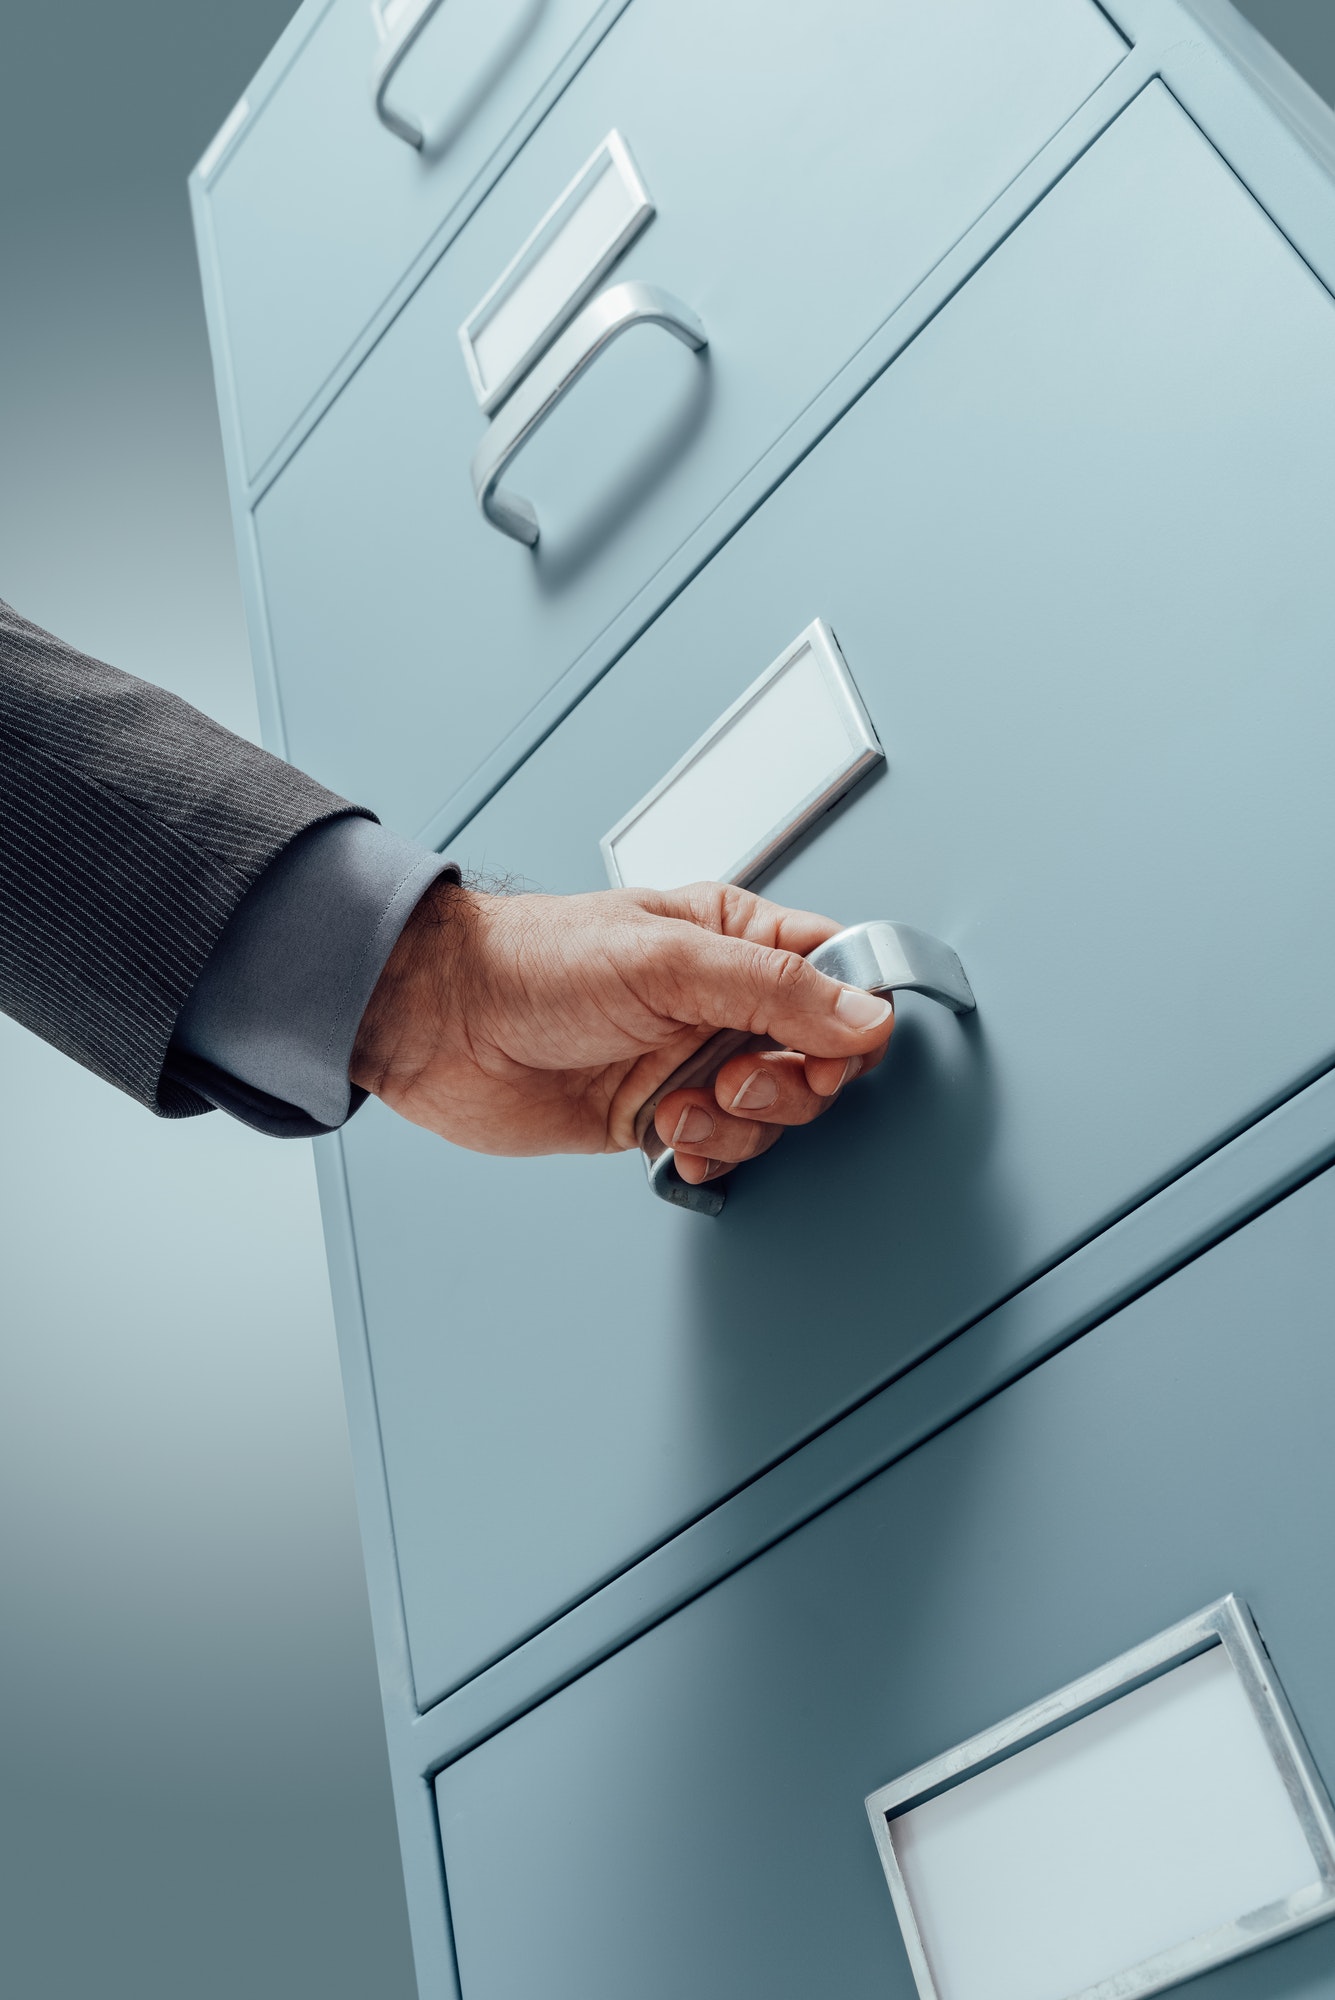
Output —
<point x="542" y="1024"/>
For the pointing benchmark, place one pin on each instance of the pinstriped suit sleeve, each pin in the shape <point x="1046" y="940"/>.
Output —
<point x="131" y="828"/>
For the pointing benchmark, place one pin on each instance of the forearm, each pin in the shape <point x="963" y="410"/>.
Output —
<point x="131" y="829"/>
<point x="419" y="987"/>
<point x="269" y="1030"/>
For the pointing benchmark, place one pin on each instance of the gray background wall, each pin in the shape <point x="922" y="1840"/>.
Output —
<point x="1304" y="32"/>
<point x="192" y="1790"/>
<point x="193" y="1799"/>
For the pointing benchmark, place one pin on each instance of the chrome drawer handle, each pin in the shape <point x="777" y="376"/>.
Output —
<point x="882" y="957"/>
<point x="612" y="313"/>
<point x="392" y="56"/>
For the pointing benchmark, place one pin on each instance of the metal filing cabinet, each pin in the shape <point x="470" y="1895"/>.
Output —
<point x="317" y="209"/>
<point x="687" y="1817"/>
<point x="751" y="131"/>
<point x="1020" y="374"/>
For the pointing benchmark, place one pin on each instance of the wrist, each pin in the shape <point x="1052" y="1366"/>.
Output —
<point x="417" y="993"/>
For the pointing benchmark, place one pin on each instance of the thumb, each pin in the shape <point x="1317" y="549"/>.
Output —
<point x="723" y="982"/>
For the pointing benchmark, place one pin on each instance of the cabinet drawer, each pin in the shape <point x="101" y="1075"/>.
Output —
<point x="688" y="1818"/>
<point x="1075" y="544"/>
<point x="318" y="209"/>
<point x="808" y="167"/>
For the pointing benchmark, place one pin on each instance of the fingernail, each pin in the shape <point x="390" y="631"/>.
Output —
<point x="860" y="1010"/>
<point x="757" y="1093"/>
<point x="846" y="1075"/>
<point x="693" y="1125"/>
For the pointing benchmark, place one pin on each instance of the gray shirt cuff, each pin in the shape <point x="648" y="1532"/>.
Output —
<point x="278" y="1005"/>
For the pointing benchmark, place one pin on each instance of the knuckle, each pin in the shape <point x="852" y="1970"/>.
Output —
<point x="737" y="908"/>
<point x="789" y="974"/>
<point x="707" y="903"/>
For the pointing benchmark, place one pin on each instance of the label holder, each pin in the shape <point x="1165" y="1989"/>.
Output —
<point x="862" y="754"/>
<point x="1225" y="1624"/>
<point x="565" y="293"/>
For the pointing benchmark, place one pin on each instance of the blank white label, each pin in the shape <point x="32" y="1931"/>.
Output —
<point x="1126" y="1833"/>
<point x="554" y="271"/>
<point x="795" y="741"/>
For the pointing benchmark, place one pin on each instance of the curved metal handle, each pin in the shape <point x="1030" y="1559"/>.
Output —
<point x="611" y="314"/>
<point x="391" y="57"/>
<point x="882" y="957"/>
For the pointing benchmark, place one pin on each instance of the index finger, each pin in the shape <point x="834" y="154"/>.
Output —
<point x="738" y="913"/>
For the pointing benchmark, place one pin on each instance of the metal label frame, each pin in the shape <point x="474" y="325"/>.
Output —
<point x="865" y="752"/>
<point x="1226" y="1623"/>
<point x="613" y="156"/>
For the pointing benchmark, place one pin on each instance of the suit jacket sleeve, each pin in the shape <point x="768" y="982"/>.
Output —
<point x="131" y="828"/>
<point x="269" y="1030"/>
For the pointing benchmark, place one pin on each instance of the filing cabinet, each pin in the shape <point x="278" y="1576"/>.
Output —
<point x="688" y="1817"/>
<point x="1065" y="757"/>
<point x="317" y="207"/>
<point x="752" y="130"/>
<point x="1020" y="375"/>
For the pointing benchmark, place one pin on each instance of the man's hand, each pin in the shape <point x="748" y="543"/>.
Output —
<point x="541" y="1024"/>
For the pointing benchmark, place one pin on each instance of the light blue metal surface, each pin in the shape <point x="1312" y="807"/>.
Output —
<point x="1280" y="140"/>
<point x="424" y="1880"/>
<point x="688" y="1818"/>
<point x="1248" y="1175"/>
<point x="1055" y="610"/>
<point x="902" y="122"/>
<point x="316" y="210"/>
<point x="552" y="1448"/>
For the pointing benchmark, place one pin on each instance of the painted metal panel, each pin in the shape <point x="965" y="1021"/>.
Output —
<point x="1274" y="1156"/>
<point x="317" y="209"/>
<point x="1073" y="546"/>
<point x="688" y="1818"/>
<point x="808" y="170"/>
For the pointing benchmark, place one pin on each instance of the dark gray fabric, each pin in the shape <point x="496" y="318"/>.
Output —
<point x="279" y="1003"/>
<point x="252" y="1107"/>
<point x="131" y="827"/>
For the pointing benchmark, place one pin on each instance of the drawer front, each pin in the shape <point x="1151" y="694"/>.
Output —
<point x="319" y="209"/>
<point x="808" y="168"/>
<point x="689" y="1817"/>
<point x="1075" y="544"/>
